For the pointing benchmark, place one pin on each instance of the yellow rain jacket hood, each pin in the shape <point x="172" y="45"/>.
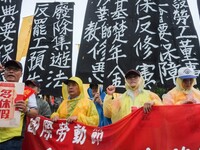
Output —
<point x="80" y="106"/>
<point x="178" y="94"/>
<point x="121" y="106"/>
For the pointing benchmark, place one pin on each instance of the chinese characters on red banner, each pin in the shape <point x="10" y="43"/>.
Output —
<point x="59" y="132"/>
<point x="160" y="129"/>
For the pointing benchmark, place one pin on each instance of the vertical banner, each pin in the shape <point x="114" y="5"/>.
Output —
<point x="49" y="58"/>
<point x="96" y="31"/>
<point x="24" y="37"/>
<point x="119" y="46"/>
<point x="198" y="4"/>
<point x="105" y="49"/>
<point x="156" y="38"/>
<point x="9" y="26"/>
<point x="179" y="44"/>
<point x="10" y="93"/>
<point x="145" y="47"/>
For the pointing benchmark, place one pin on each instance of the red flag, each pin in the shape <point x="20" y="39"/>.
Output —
<point x="27" y="92"/>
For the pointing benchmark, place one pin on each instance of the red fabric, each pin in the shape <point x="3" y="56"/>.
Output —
<point x="19" y="97"/>
<point x="165" y="128"/>
<point x="27" y="92"/>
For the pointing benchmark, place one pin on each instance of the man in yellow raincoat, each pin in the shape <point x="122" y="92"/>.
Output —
<point x="135" y="96"/>
<point x="183" y="92"/>
<point x="75" y="106"/>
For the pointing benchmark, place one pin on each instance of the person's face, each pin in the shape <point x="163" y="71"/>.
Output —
<point x="73" y="89"/>
<point x="94" y="90"/>
<point x="12" y="74"/>
<point x="187" y="83"/>
<point x="133" y="80"/>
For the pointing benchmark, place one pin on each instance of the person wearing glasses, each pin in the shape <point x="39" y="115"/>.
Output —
<point x="11" y="138"/>
<point x="76" y="106"/>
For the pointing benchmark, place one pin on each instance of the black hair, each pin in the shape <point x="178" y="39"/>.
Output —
<point x="93" y="85"/>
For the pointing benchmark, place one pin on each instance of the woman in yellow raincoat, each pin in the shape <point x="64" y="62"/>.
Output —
<point x="75" y="106"/>
<point x="135" y="96"/>
<point x="183" y="92"/>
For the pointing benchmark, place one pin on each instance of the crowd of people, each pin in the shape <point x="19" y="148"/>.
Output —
<point x="98" y="107"/>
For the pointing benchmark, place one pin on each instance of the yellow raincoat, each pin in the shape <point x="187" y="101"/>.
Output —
<point x="80" y="106"/>
<point x="119" y="107"/>
<point x="179" y="94"/>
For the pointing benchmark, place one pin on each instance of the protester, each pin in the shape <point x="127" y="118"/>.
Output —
<point x="75" y="106"/>
<point x="135" y="96"/>
<point x="97" y="95"/>
<point x="57" y="101"/>
<point x="43" y="106"/>
<point x="11" y="138"/>
<point x="50" y="101"/>
<point x="53" y="101"/>
<point x="183" y="92"/>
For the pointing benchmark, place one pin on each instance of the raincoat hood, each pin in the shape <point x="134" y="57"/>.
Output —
<point x="80" y="85"/>
<point x="139" y="86"/>
<point x="179" y="84"/>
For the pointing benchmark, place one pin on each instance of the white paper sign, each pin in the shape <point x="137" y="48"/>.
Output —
<point x="10" y="92"/>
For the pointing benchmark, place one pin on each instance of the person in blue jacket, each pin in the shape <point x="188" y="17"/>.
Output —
<point x="96" y="94"/>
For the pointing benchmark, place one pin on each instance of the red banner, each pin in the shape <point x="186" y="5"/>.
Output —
<point x="165" y="128"/>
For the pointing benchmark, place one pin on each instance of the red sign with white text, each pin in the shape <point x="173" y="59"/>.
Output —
<point x="165" y="128"/>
